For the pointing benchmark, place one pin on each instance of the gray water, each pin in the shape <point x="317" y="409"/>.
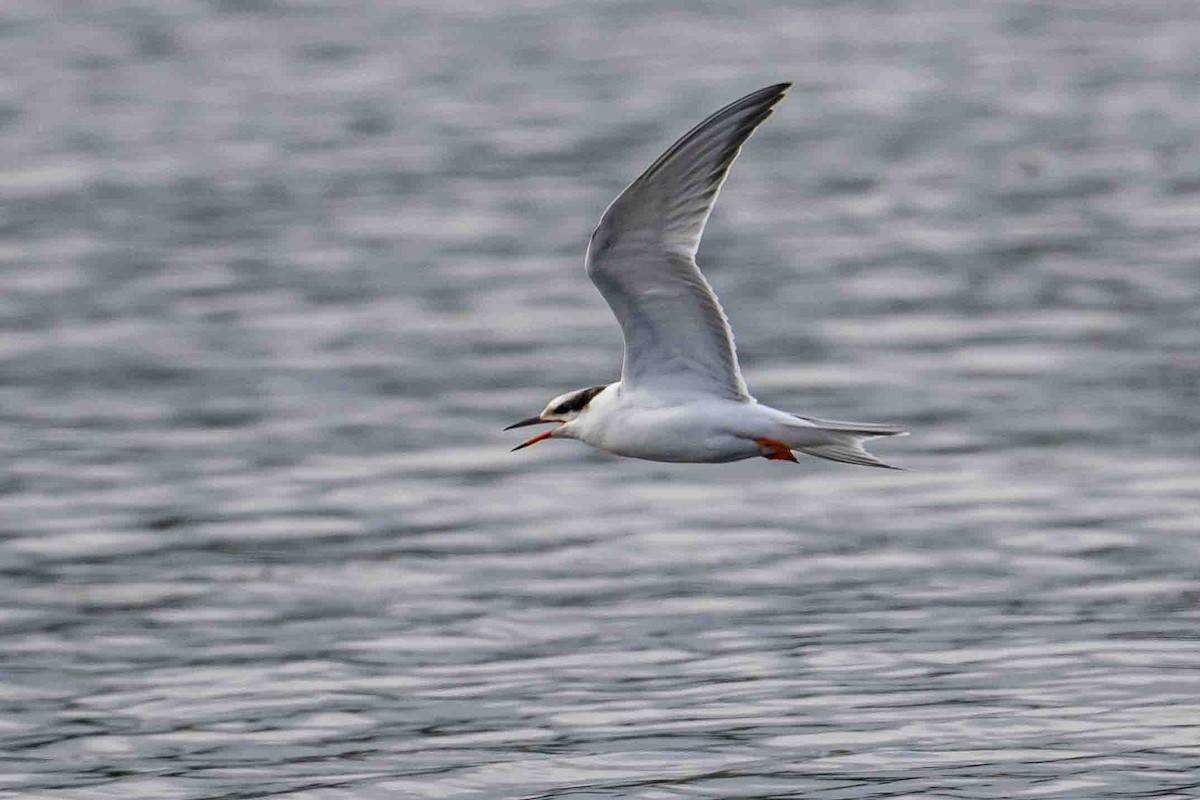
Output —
<point x="275" y="274"/>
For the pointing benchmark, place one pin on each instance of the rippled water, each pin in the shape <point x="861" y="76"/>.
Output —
<point x="275" y="275"/>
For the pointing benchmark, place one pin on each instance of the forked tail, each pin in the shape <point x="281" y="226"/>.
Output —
<point x="844" y="441"/>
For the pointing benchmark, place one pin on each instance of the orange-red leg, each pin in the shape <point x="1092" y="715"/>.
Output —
<point x="776" y="450"/>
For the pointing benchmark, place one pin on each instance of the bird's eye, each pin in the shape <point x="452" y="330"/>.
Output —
<point x="562" y="408"/>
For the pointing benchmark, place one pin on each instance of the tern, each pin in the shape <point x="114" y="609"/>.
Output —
<point x="681" y="396"/>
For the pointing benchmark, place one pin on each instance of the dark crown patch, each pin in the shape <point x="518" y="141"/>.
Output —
<point x="578" y="400"/>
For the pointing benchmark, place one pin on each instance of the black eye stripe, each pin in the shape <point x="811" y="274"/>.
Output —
<point x="578" y="400"/>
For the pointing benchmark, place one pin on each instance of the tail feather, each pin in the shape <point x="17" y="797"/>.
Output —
<point x="850" y="452"/>
<point x="843" y="441"/>
<point x="861" y="430"/>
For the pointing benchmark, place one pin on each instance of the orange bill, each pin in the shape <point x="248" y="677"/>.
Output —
<point x="534" y="439"/>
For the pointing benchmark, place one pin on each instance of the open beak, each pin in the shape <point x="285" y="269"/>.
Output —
<point x="527" y="422"/>
<point x="538" y="420"/>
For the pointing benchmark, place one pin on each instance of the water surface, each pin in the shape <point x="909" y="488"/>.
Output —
<point x="274" y="275"/>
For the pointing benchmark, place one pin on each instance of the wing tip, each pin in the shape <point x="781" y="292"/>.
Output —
<point x="776" y="89"/>
<point x="764" y="101"/>
<point x="766" y="98"/>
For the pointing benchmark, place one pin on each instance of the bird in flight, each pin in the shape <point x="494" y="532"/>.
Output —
<point x="681" y="396"/>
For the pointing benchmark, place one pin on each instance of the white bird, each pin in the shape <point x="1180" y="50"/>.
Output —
<point x="681" y="396"/>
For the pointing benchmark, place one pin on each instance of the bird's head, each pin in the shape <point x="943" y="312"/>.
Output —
<point x="561" y="410"/>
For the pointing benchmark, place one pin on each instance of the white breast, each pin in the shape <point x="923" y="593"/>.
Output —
<point x="696" y="429"/>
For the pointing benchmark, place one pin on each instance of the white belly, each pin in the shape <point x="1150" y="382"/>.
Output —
<point x="709" y="431"/>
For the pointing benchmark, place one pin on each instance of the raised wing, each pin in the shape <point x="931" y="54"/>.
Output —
<point x="642" y="259"/>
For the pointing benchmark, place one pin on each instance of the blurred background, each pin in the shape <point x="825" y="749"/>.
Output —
<point x="273" y="276"/>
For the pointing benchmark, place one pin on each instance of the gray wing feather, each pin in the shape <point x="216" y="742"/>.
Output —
<point x="642" y="258"/>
